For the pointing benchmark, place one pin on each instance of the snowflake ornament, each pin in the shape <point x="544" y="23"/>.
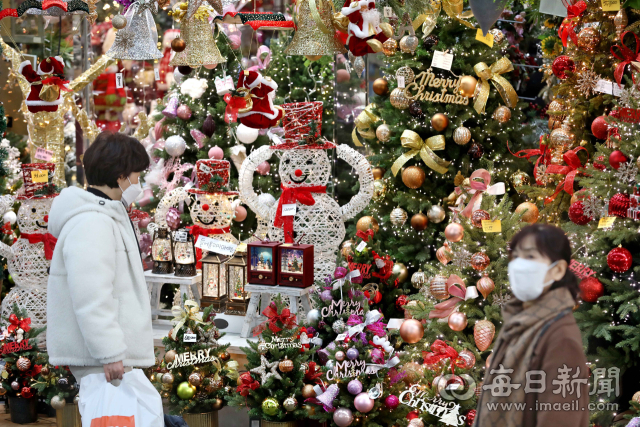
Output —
<point x="627" y="172"/>
<point x="587" y="82"/>
<point x="500" y="299"/>
<point x="542" y="176"/>
<point x="594" y="207"/>
<point x="628" y="97"/>
<point x="462" y="258"/>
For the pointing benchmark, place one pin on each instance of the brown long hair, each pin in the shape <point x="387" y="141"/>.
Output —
<point x="553" y="243"/>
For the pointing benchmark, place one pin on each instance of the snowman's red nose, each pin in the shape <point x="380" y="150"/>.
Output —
<point x="205" y="207"/>
<point x="298" y="172"/>
<point x="46" y="218"/>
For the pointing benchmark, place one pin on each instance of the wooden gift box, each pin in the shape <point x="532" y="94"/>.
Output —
<point x="262" y="265"/>
<point x="295" y="265"/>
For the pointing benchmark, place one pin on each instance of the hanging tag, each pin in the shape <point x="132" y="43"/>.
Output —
<point x="156" y="73"/>
<point x="388" y="11"/>
<point x="488" y="39"/>
<point x="180" y="236"/>
<point x="119" y="81"/>
<point x="606" y="222"/>
<point x="43" y="154"/>
<point x="361" y="246"/>
<point x="400" y="82"/>
<point x="341" y="337"/>
<point x="442" y="60"/>
<point x="289" y="209"/>
<point x="38" y="176"/>
<point x="347" y="66"/>
<point x="204" y="168"/>
<point x="189" y="338"/>
<point x="610" y="5"/>
<point x="489" y="226"/>
<point x="395" y="323"/>
<point x="216" y="245"/>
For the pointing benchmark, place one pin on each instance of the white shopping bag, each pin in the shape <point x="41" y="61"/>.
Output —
<point x="135" y="403"/>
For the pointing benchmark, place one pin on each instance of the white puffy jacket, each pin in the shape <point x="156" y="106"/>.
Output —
<point x="98" y="308"/>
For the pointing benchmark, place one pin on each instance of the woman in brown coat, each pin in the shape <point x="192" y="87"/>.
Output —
<point x="538" y="375"/>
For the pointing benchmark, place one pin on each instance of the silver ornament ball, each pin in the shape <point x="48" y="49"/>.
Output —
<point x="175" y="145"/>
<point x="409" y="44"/>
<point x="398" y="216"/>
<point x="119" y="22"/>
<point x="383" y="133"/>
<point x="290" y="404"/>
<point x="436" y="214"/>
<point x="58" y="402"/>
<point x="339" y="326"/>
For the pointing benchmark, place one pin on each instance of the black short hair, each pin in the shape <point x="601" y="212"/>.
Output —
<point x="552" y="242"/>
<point x="111" y="156"/>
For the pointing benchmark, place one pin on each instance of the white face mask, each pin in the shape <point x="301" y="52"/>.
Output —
<point x="527" y="278"/>
<point x="131" y="193"/>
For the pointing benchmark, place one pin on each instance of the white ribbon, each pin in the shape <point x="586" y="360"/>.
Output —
<point x="373" y="368"/>
<point x="339" y="283"/>
<point x="472" y="293"/>
<point x="371" y="317"/>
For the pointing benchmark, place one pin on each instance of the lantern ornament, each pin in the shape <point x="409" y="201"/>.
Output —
<point x="214" y="282"/>
<point x="185" y="254"/>
<point x="236" y="279"/>
<point x="162" y="252"/>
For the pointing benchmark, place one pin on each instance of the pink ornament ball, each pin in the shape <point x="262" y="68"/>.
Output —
<point x="216" y="153"/>
<point x="263" y="168"/>
<point x="210" y="66"/>
<point x="144" y="222"/>
<point x="173" y="218"/>
<point x="363" y="403"/>
<point x="234" y="40"/>
<point x="342" y="76"/>
<point x="184" y="112"/>
<point x="392" y="401"/>
<point x="241" y="214"/>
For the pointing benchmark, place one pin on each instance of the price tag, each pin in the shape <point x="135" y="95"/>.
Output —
<point x="489" y="226"/>
<point x="156" y="73"/>
<point x="43" y="154"/>
<point x="189" y="338"/>
<point x="341" y="337"/>
<point x="400" y="82"/>
<point x="204" y="168"/>
<point x="119" y="81"/>
<point x="216" y="245"/>
<point x="224" y="85"/>
<point x="606" y="222"/>
<point x="361" y="246"/>
<point x="610" y="5"/>
<point x="488" y="39"/>
<point x="289" y="209"/>
<point x="395" y="323"/>
<point x="39" y="176"/>
<point x="608" y="87"/>
<point x="180" y="236"/>
<point x="442" y="60"/>
<point x="388" y="11"/>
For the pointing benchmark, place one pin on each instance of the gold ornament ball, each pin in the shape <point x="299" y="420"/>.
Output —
<point x="413" y="177"/>
<point x="308" y="392"/>
<point x="313" y="58"/>
<point x="178" y="44"/>
<point x="378" y="173"/>
<point x="159" y="377"/>
<point x="379" y="189"/>
<point x="383" y="133"/>
<point x="310" y="409"/>
<point x="46" y="370"/>
<point x="3" y="390"/>
<point x="419" y="221"/>
<point x="390" y="47"/>
<point x="23" y="363"/>
<point x="461" y="135"/>
<point x="411" y="331"/>
<point x="270" y="406"/>
<point x="479" y="261"/>
<point x="119" y="22"/>
<point x="346" y="250"/>
<point x="436" y="214"/>
<point x="468" y="86"/>
<point x="439" y="122"/>
<point x="588" y="39"/>
<point x="418" y="279"/>
<point x="520" y="179"/>
<point x="485" y="285"/>
<point x="170" y="356"/>
<point x="502" y="114"/>
<point x="398" y="216"/>
<point x="367" y="222"/>
<point x="498" y="35"/>
<point x="399" y="99"/>
<point x="217" y="404"/>
<point x="438" y="287"/>
<point x="407" y="73"/>
<point x="286" y="365"/>
<point x="454" y="232"/>
<point x="380" y="86"/>
<point x="636" y="397"/>
<point x="457" y="321"/>
<point x="262" y="347"/>
<point x="416" y="422"/>
<point x="224" y="356"/>
<point x="171" y="336"/>
<point x="409" y="44"/>
<point x="478" y="216"/>
<point x="562" y="137"/>
<point x="530" y="210"/>
<point x="167" y="378"/>
<point x="401" y="271"/>
<point x="195" y="379"/>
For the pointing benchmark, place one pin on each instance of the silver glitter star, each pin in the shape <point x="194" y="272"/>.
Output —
<point x="500" y="299"/>
<point x="462" y="258"/>
<point x="262" y="370"/>
<point x="593" y="207"/>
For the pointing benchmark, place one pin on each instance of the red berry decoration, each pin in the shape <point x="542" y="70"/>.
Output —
<point x="561" y="65"/>
<point x="600" y="128"/>
<point x="401" y="302"/>
<point x="618" y="205"/>
<point x="598" y="163"/>
<point x="576" y="214"/>
<point x="471" y="415"/>
<point x="619" y="259"/>
<point x="591" y="289"/>
<point x="616" y="158"/>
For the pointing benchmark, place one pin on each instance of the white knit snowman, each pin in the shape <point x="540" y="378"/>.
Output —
<point x="305" y="170"/>
<point x="29" y="258"/>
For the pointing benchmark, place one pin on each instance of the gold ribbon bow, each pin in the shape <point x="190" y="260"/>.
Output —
<point x="191" y="311"/>
<point x="364" y="125"/>
<point x="426" y="148"/>
<point x="486" y="73"/>
<point x="453" y="8"/>
<point x="232" y="370"/>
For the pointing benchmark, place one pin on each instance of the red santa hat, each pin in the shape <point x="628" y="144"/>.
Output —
<point x="249" y="79"/>
<point x="51" y="65"/>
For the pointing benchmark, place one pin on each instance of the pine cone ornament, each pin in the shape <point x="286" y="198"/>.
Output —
<point x="576" y="214"/>
<point x="618" y="205"/>
<point x="23" y="364"/>
<point x="483" y="333"/>
<point x="173" y="218"/>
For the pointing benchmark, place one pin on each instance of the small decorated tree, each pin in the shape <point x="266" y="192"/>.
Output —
<point x="57" y="384"/>
<point x="277" y="365"/>
<point x="196" y="371"/>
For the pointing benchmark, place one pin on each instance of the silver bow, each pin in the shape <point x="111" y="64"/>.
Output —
<point x="373" y="368"/>
<point x="339" y="283"/>
<point x="372" y="317"/>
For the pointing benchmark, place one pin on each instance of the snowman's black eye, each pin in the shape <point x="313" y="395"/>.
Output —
<point x="198" y="202"/>
<point x="33" y="210"/>
<point x="287" y="161"/>
<point x="309" y="162"/>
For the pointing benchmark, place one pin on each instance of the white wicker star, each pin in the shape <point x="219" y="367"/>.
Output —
<point x="262" y="370"/>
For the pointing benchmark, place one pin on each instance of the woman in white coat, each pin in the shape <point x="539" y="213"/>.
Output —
<point x="98" y="311"/>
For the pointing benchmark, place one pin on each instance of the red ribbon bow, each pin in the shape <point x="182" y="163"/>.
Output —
<point x="440" y="350"/>
<point x="197" y="231"/>
<point x="626" y="56"/>
<point x="15" y="323"/>
<point x="247" y="384"/>
<point x="234" y="104"/>
<point x="46" y="238"/>
<point x="570" y="171"/>
<point x="292" y="195"/>
<point x="364" y="235"/>
<point x="542" y="151"/>
<point x="313" y="373"/>
<point x="568" y="24"/>
<point x="287" y="319"/>
<point x="57" y="81"/>
<point x="457" y="290"/>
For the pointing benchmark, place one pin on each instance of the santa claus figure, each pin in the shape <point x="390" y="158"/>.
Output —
<point x="46" y="83"/>
<point x="263" y="114"/>
<point x="366" y="32"/>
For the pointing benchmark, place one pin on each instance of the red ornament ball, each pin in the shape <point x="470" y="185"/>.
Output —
<point x="401" y="302"/>
<point x="576" y="213"/>
<point x="618" y="205"/>
<point x="616" y="158"/>
<point x="619" y="259"/>
<point x="600" y="128"/>
<point x="27" y="392"/>
<point x="471" y="416"/>
<point x="591" y="289"/>
<point x="561" y="65"/>
<point x="411" y="415"/>
<point x="374" y="297"/>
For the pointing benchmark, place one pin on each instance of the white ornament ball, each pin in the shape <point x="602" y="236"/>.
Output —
<point x="58" y="402"/>
<point x="436" y="214"/>
<point x="313" y="316"/>
<point x="9" y="217"/>
<point x="398" y="216"/>
<point x="266" y="199"/>
<point x="247" y="135"/>
<point x="175" y="145"/>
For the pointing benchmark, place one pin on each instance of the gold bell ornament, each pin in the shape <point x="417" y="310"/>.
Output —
<point x="138" y="40"/>
<point x="200" y="47"/>
<point x="315" y="34"/>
